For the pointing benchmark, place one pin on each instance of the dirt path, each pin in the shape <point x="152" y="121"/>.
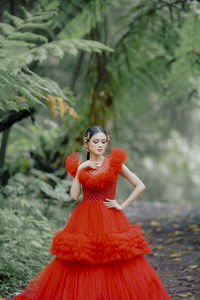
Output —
<point x="173" y="231"/>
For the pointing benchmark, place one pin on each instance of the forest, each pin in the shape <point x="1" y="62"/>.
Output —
<point x="132" y="67"/>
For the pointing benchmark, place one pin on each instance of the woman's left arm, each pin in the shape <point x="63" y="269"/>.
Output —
<point x="135" y="181"/>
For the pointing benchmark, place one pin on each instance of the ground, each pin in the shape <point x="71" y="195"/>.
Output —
<point x="173" y="231"/>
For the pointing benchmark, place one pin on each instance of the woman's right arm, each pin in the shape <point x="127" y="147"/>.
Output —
<point x="75" y="190"/>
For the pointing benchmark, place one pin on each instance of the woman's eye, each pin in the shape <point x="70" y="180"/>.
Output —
<point x="98" y="141"/>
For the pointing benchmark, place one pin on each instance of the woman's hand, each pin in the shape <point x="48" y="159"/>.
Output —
<point x="89" y="163"/>
<point x="113" y="203"/>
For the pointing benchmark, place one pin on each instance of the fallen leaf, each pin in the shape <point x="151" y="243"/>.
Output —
<point x="161" y="246"/>
<point x="192" y="226"/>
<point x="158" y="229"/>
<point x="175" y="254"/>
<point x="190" y="247"/>
<point x="193" y="266"/>
<point x="154" y="223"/>
<point x="171" y="234"/>
<point x="177" y="232"/>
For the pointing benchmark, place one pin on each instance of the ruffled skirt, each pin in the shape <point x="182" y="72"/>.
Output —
<point x="99" y="256"/>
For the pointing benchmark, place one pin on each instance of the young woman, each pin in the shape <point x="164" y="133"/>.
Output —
<point x="99" y="253"/>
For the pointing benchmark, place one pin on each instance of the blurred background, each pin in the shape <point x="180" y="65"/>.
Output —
<point x="130" y="66"/>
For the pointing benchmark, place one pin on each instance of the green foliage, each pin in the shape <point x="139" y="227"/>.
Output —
<point x="36" y="146"/>
<point x="47" y="186"/>
<point x="30" y="213"/>
<point x="33" y="204"/>
<point x="92" y="13"/>
<point x="27" y="42"/>
<point x="155" y="59"/>
<point x="25" y="241"/>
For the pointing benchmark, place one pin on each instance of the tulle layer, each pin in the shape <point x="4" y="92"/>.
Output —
<point x="100" y="249"/>
<point x="134" y="279"/>
<point x="101" y="235"/>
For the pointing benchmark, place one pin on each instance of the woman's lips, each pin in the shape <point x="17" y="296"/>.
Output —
<point x="99" y="150"/>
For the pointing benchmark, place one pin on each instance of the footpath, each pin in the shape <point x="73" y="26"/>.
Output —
<point x="173" y="232"/>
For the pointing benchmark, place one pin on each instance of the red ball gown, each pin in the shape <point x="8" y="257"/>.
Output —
<point x="99" y="253"/>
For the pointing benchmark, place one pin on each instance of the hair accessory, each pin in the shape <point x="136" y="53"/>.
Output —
<point x="108" y="138"/>
<point x="86" y="139"/>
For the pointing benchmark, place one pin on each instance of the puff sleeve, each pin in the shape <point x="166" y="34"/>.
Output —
<point x="119" y="156"/>
<point x="72" y="163"/>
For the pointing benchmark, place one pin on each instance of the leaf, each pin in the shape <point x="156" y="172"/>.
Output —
<point x="154" y="223"/>
<point x="171" y="234"/>
<point x="175" y="254"/>
<point x="161" y="247"/>
<point x="192" y="226"/>
<point x="193" y="266"/>
<point x="36" y="244"/>
<point x="177" y="232"/>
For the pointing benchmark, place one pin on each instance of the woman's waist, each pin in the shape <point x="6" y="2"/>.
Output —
<point x="96" y="199"/>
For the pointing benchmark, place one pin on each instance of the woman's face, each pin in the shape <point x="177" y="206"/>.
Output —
<point x="98" y="143"/>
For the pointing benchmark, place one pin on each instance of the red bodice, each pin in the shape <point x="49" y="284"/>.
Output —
<point x="99" y="183"/>
<point x="90" y="194"/>
<point x="107" y="192"/>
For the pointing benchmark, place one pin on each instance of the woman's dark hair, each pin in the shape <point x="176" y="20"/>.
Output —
<point x="93" y="130"/>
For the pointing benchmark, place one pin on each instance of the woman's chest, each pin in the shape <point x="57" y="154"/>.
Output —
<point x="98" y="177"/>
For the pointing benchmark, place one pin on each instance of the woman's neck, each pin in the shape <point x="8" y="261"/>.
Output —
<point x="94" y="157"/>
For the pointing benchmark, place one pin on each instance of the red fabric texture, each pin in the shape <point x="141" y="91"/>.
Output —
<point x="101" y="179"/>
<point x="72" y="162"/>
<point x="134" y="279"/>
<point x="114" y="239"/>
<point x="99" y="253"/>
<point x="116" y="158"/>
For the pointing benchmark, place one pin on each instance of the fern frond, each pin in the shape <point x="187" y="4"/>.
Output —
<point x="29" y="37"/>
<point x="155" y="58"/>
<point x="91" y="13"/>
<point x="6" y="29"/>
<point x="13" y="20"/>
<point x="24" y="42"/>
